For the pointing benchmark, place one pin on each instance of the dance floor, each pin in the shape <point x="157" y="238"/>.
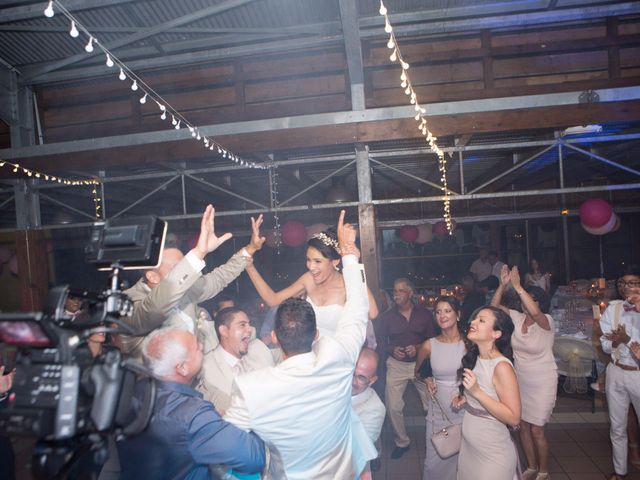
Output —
<point x="579" y="442"/>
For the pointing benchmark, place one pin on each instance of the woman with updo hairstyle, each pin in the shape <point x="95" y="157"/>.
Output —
<point x="490" y="396"/>
<point x="321" y="285"/>
<point x="444" y="353"/>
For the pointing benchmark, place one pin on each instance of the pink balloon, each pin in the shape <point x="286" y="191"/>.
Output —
<point x="604" y="229"/>
<point x="13" y="264"/>
<point x="408" y="233"/>
<point x="316" y="228"/>
<point x="5" y="254"/>
<point x="595" y="213"/>
<point x="294" y="233"/>
<point x="425" y="233"/>
<point x="440" y="228"/>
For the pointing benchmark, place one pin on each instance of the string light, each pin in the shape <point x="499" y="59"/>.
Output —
<point x="89" y="46"/>
<point x="273" y="176"/>
<point x="17" y="168"/>
<point x="405" y="83"/>
<point x="125" y="72"/>
<point x="74" y="31"/>
<point x="48" y="12"/>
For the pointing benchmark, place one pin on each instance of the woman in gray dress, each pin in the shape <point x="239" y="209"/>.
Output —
<point x="491" y="399"/>
<point x="445" y="354"/>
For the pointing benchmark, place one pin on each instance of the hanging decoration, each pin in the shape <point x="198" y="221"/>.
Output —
<point x="408" y="233"/>
<point x="92" y="182"/>
<point x="273" y="184"/>
<point x="294" y="233"/>
<point x="147" y="94"/>
<point x="597" y="217"/>
<point x="405" y="83"/>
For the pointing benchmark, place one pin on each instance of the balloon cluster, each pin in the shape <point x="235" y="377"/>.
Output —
<point x="597" y="217"/>
<point x="424" y="232"/>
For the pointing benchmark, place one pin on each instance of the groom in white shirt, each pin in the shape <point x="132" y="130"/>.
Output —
<point x="301" y="408"/>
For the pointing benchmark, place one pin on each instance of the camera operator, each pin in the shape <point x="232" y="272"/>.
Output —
<point x="7" y="462"/>
<point x="169" y="294"/>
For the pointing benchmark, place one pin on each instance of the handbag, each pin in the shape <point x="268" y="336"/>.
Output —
<point x="447" y="440"/>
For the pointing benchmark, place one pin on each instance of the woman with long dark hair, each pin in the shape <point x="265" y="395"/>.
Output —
<point x="321" y="285"/>
<point x="444" y="353"/>
<point x="490" y="390"/>
<point x="536" y="368"/>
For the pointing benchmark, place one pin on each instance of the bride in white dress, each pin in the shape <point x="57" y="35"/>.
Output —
<point x="322" y="285"/>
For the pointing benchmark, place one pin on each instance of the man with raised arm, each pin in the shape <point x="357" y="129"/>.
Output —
<point x="169" y="294"/>
<point x="301" y="408"/>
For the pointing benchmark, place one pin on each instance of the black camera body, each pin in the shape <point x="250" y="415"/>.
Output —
<point x="63" y="396"/>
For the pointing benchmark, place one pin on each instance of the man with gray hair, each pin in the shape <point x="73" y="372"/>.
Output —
<point x="402" y="330"/>
<point x="185" y="434"/>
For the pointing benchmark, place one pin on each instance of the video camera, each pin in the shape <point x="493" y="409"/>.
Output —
<point x="62" y="395"/>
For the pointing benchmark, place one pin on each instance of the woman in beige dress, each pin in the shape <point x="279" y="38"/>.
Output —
<point x="535" y="364"/>
<point x="491" y="399"/>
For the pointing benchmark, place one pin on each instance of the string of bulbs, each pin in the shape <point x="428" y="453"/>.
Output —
<point x="92" y="182"/>
<point x="177" y="119"/>
<point x="431" y="139"/>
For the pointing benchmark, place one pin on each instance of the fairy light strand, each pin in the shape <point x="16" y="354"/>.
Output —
<point x="277" y="234"/>
<point x="148" y="94"/>
<point x="45" y="177"/>
<point x="420" y="115"/>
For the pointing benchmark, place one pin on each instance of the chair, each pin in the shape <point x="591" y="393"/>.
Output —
<point x="576" y="360"/>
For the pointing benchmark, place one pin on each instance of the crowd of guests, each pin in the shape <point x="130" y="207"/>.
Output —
<point x="296" y="400"/>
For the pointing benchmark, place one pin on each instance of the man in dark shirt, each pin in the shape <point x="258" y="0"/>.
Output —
<point x="185" y="434"/>
<point x="474" y="298"/>
<point x="402" y="329"/>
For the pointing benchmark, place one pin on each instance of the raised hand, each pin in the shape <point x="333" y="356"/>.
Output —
<point x="635" y="350"/>
<point x="514" y="276"/>
<point x="504" y="275"/>
<point x="256" y="240"/>
<point x="208" y="241"/>
<point x="346" y="237"/>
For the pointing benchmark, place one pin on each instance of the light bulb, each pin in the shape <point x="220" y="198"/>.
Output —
<point x="198" y="137"/>
<point x="109" y="61"/>
<point x="211" y="148"/>
<point x="89" y="47"/>
<point x="191" y="129"/>
<point x="404" y="84"/>
<point x="224" y="154"/>
<point x="134" y="85"/>
<point x="144" y="99"/>
<point x="387" y="26"/>
<point x="48" y="12"/>
<point x="417" y="117"/>
<point x="407" y="91"/>
<point x="74" y="31"/>
<point x="403" y="76"/>
<point x="206" y="142"/>
<point x="173" y="120"/>
<point x="163" y="116"/>
<point x="122" y="76"/>
<point x="162" y="107"/>
<point x="193" y="133"/>
<point x="391" y="43"/>
<point x="178" y="125"/>
<point x="393" y="57"/>
<point x="405" y="65"/>
<point x="383" y="9"/>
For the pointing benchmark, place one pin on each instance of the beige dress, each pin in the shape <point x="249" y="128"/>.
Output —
<point x="536" y="369"/>
<point x="487" y="451"/>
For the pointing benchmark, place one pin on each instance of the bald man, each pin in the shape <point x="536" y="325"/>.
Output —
<point x="169" y="294"/>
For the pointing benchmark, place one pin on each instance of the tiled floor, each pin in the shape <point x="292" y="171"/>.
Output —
<point x="579" y="441"/>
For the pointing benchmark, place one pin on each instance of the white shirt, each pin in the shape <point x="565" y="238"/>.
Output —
<point x="631" y="322"/>
<point x="480" y="269"/>
<point x="370" y="410"/>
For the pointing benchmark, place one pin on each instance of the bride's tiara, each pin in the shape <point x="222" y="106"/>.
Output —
<point x="327" y="240"/>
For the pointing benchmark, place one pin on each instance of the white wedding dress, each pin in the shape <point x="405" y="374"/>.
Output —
<point x="327" y="317"/>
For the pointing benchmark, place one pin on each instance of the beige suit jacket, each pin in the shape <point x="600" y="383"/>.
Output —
<point x="176" y="295"/>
